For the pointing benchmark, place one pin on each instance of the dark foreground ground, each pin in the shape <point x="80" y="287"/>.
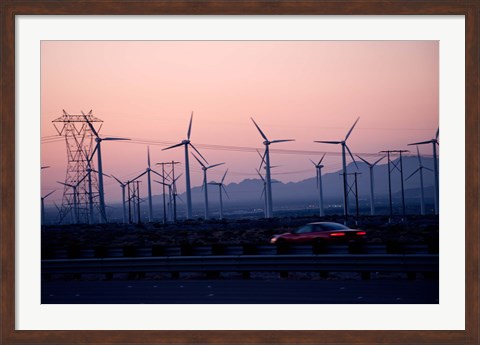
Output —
<point x="264" y="289"/>
<point x="241" y="292"/>
<point x="416" y="229"/>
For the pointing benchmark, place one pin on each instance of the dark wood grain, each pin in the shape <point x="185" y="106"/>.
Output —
<point x="10" y="8"/>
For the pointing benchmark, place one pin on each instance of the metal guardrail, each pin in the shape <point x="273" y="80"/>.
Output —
<point x="246" y="249"/>
<point x="413" y="263"/>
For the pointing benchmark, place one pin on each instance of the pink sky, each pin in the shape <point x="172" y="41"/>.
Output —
<point x="305" y="90"/>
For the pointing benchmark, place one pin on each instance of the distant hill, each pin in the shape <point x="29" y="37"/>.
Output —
<point x="248" y="191"/>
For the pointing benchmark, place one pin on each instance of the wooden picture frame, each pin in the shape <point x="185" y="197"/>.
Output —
<point x="10" y="8"/>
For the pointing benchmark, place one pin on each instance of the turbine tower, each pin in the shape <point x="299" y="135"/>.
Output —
<point x="98" y="150"/>
<point x="187" y="143"/>
<point x="422" y="192"/>
<point x="344" y="163"/>
<point x="148" y="171"/>
<point x="75" y="198"/>
<point x="372" y="196"/>
<point x="267" y="168"/>
<point x="263" y="194"/>
<point x="204" y="185"/>
<point x="434" y="143"/>
<point x="220" y="187"/>
<point x="42" y="210"/>
<point x="122" y="185"/>
<point x="318" y="168"/>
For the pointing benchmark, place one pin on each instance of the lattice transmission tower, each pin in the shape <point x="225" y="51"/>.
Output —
<point x="80" y="143"/>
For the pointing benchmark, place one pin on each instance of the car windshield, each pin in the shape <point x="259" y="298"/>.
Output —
<point x="302" y="230"/>
<point x="333" y="226"/>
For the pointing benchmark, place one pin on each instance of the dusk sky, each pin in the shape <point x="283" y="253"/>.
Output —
<point x="303" y="90"/>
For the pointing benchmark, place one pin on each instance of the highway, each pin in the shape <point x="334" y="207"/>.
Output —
<point x="236" y="291"/>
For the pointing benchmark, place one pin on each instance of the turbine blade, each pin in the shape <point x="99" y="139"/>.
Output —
<point x="261" y="133"/>
<point x="427" y="168"/>
<point x="178" y="196"/>
<point x="198" y="160"/>
<point x="90" y="125"/>
<point x="258" y="172"/>
<point x="81" y="180"/>
<point x="215" y="165"/>
<point x="364" y="161"/>
<point x="223" y="187"/>
<point x="176" y="178"/>
<point x="190" y="126"/>
<point x="259" y="154"/>
<point x="65" y="184"/>
<point x="157" y="173"/>
<point x="93" y="154"/>
<point x="413" y="173"/>
<point x="263" y="192"/>
<point x="263" y="159"/>
<point x="378" y="160"/>
<point x="148" y="156"/>
<point x="351" y="129"/>
<point x="418" y="156"/>
<point x="193" y="147"/>
<point x="321" y="159"/>
<point x="171" y="147"/>
<point x="281" y="141"/>
<point x="165" y="184"/>
<point x="327" y="142"/>
<point x="350" y="153"/>
<point x="438" y="132"/>
<point x="313" y="162"/>
<point x="136" y="178"/>
<point x="53" y="191"/>
<point x="113" y="138"/>
<point x="223" y="178"/>
<point x="421" y="143"/>
<point x="102" y="173"/>
<point x="117" y="180"/>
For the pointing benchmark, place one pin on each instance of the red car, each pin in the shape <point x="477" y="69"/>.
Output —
<point x="320" y="232"/>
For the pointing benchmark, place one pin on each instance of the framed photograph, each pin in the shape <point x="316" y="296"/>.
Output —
<point x="132" y="248"/>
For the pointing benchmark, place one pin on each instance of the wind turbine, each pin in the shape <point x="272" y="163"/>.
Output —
<point x="122" y="185"/>
<point x="344" y="163"/>
<point x="75" y="204"/>
<point x="90" y="191"/>
<point x="98" y="150"/>
<point x="148" y="171"/>
<point x="420" y="170"/>
<point x="220" y="187"/>
<point x="318" y="168"/>
<point x="187" y="143"/>
<point x="434" y="143"/>
<point x="43" y="206"/>
<point x="267" y="168"/>
<point x="263" y="195"/>
<point x="204" y="185"/>
<point x="372" y="196"/>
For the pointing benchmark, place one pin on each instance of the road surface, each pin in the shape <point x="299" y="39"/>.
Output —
<point x="240" y="291"/>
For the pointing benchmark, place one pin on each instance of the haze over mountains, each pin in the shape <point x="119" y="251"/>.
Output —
<point x="248" y="191"/>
